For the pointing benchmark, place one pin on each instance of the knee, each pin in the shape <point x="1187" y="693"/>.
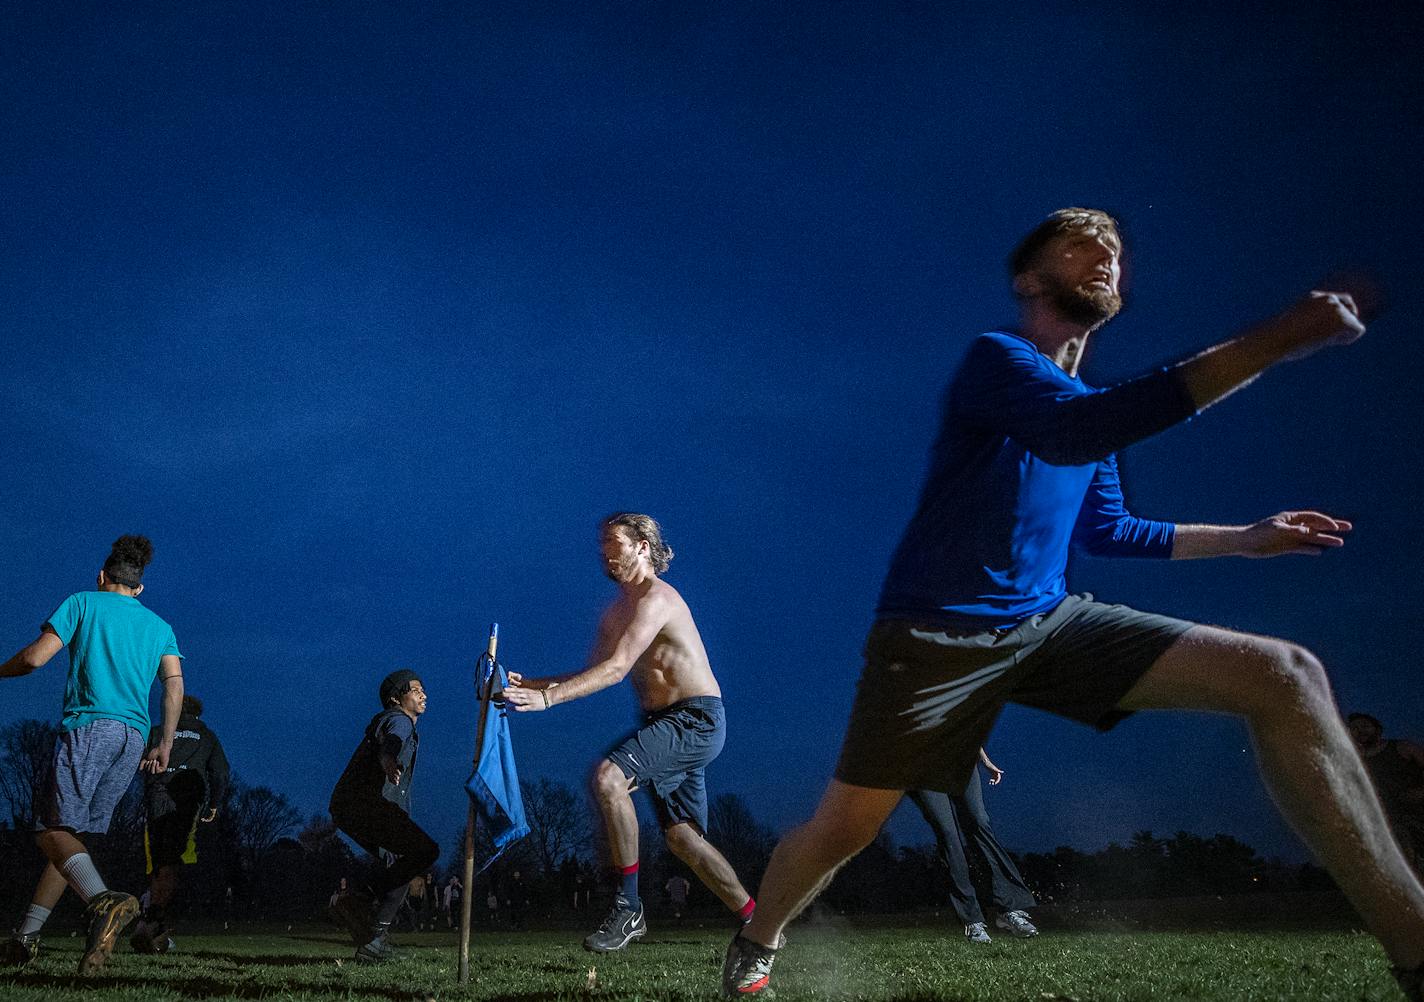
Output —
<point x="682" y="840"/>
<point x="1289" y="679"/>
<point x="608" y="781"/>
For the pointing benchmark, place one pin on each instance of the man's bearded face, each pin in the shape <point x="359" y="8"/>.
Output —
<point x="1091" y="303"/>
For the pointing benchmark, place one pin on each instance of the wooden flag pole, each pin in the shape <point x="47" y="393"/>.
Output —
<point x="467" y="899"/>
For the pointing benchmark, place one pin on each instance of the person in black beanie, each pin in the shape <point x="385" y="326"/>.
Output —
<point x="371" y="804"/>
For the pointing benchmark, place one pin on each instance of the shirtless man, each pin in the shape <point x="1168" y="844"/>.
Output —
<point x="648" y="631"/>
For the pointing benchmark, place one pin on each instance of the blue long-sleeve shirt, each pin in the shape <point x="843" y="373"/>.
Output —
<point x="1024" y="466"/>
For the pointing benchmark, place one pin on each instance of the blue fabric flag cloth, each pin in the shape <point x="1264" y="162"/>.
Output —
<point x="494" y="785"/>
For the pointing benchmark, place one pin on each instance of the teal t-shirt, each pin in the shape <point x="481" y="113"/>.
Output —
<point x="114" y="648"/>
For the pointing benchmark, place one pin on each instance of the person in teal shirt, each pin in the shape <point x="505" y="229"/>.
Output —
<point x="116" y="648"/>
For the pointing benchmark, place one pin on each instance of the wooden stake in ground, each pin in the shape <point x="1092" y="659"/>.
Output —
<point x="482" y="690"/>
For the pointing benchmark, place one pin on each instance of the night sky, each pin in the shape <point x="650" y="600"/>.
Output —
<point x="367" y="313"/>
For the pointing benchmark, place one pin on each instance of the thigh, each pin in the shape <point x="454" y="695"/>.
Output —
<point x="925" y="702"/>
<point x="1090" y="657"/>
<point x="662" y="754"/>
<point x="687" y="802"/>
<point x="1210" y="668"/>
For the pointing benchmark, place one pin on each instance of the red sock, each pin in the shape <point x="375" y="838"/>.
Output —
<point x="745" y="912"/>
<point x="630" y="881"/>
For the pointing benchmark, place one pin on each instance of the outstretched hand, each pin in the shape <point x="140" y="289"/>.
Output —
<point x="524" y="700"/>
<point x="1308" y="532"/>
<point x="1319" y="320"/>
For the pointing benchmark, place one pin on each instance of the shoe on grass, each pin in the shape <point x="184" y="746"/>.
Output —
<point x="747" y="969"/>
<point x="623" y="925"/>
<point x="108" y="913"/>
<point x="976" y="932"/>
<point x="377" y="950"/>
<point x="1017" y="924"/>
<point x="19" y="950"/>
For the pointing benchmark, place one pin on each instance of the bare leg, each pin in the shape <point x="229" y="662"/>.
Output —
<point x="846" y="821"/>
<point x="58" y="845"/>
<point x="50" y="888"/>
<point x="711" y="867"/>
<point x="615" y="802"/>
<point x="1308" y="762"/>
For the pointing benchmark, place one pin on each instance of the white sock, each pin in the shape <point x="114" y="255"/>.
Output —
<point x="79" y="871"/>
<point x="34" y="920"/>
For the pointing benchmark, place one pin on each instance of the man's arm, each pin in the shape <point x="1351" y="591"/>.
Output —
<point x="218" y="775"/>
<point x="1308" y="532"/>
<point x="995" y="773"/>
<point x="1005" y="385"/>
<point x="1318" y="321"/>
<point x="36" y="655"/>
<point x="170" y="673"/>
<point x="1105" y="528"/>
<point x="649" y="617"/>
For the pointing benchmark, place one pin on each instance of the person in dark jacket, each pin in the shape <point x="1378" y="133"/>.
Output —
<point x="371" y="804"/>
<point x="176" y="800"/>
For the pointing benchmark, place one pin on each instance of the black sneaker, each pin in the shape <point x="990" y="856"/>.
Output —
<point x="1411" y="982"/>
<point x="747" y="969"/>
<point x="18" y="950"/>
<point x="377" y="950"/>
<point x="623" y="925"/>
<point x="356" y="915"/>
<point x="108" y="913"/>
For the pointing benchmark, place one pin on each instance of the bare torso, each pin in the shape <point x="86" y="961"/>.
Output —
<point x="674" y="666"/>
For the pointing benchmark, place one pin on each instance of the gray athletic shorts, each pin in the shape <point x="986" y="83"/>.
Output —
<point x="91" y="768"/>
<point x="669" y="753"/>
<point x="929" y="696"/>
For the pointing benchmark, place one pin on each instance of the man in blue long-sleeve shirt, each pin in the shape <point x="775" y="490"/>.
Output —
<point x="975" y="611"/>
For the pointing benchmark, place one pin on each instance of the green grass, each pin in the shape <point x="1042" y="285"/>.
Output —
<point x="826" y="962"/>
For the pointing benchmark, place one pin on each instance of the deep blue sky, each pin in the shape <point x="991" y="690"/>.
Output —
<point x="366" y="313"/>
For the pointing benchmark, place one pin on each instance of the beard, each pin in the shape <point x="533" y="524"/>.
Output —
<point x="623" y="569"/>
<point x="1086" y="305"/>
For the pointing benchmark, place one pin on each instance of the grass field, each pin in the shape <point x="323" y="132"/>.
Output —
<point x="872" y="963"/>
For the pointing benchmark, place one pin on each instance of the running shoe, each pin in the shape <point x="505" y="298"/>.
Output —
<point x="976" y="933"/>
<point x="623" y="925"/>
<point x="19" y="950"/>
<point x="747" y="969"/>
<point x="1017" y="923"/>
<point x="108" y="913"/>
<point x="377" y="950"/>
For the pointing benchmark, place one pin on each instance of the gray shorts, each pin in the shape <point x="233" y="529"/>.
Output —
<point x="669" y="755"/>
<point x="90" y="770"/>
<point x="928" y="696"/>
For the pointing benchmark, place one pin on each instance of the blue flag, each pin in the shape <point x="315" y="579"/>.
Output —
<point x="494" y="785"/>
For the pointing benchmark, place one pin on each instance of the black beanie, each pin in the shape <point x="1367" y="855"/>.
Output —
<point x="395" y="684"/>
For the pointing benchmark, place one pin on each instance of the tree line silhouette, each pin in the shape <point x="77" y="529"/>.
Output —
<point x="261" y="860"/>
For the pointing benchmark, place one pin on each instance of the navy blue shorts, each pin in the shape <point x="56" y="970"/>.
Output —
<point x="668" y="754"/>
<point x="929" y="696"/>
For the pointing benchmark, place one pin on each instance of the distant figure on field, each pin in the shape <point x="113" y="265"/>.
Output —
<point x="961" y="829"/>
<point x="176" y="800"/>
<point x="371" y="804"/>
<point x="1397" y="770"/>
